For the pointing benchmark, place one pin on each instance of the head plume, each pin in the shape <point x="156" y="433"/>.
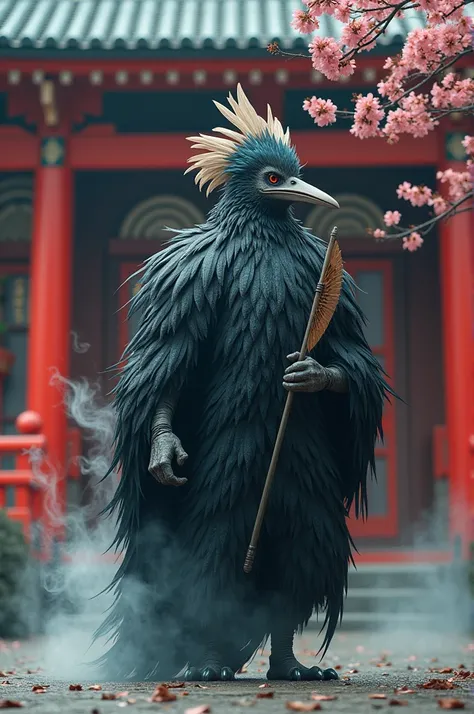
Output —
<point x="211" y="165"/>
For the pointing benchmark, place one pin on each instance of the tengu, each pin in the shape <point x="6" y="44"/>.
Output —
<point x="200" y="396"/>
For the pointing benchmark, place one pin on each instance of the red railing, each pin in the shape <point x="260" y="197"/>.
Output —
<point x="19" y="494"/>
<point x="24" y="496"/>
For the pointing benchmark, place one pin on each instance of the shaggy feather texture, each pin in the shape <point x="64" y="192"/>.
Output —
<point x="221" y="307"/>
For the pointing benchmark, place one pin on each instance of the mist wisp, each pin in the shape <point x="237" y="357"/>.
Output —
<point x="74" y="581"/>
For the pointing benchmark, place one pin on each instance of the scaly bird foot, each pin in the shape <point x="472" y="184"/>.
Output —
<point x="209" y="673"/>
<point x="296" y="672"/>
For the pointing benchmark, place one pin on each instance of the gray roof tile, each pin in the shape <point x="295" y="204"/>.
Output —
<point x="151" y="24"/>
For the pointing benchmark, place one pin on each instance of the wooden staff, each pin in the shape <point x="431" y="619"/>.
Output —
<point x="313" y="333"/>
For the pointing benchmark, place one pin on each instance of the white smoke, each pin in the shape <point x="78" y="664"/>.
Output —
<point x="79" y="347"/>
<point x="79" y="571"/>
<point x="420" y="607"/>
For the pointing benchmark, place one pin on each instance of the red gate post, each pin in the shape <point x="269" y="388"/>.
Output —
<point x="457" y="278"/>
<point x="50" y="305"/>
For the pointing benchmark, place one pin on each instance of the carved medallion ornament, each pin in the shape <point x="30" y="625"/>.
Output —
<point x="52" y="151"/>
<point x="454" y="148"/>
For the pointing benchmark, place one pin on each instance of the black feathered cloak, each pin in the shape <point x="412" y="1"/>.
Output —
<point x="221" y="308"/>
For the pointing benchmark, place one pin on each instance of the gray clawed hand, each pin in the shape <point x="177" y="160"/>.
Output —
<point x="304" y="375"/>
<point x="164" y="449"/>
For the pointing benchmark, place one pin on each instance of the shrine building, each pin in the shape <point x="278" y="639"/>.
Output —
<point x="97" y="98"/>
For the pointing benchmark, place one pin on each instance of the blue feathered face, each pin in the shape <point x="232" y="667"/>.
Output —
<point x="264" y="171"/>
<point x="261" y="151"/>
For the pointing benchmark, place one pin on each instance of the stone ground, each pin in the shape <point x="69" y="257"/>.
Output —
<point x="368" y="663"/>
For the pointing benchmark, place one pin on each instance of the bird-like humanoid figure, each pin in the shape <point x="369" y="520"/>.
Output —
<point x="200" y="396"/>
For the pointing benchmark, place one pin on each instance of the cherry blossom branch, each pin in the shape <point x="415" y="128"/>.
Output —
<point x="416" y="93"/>
<point x="424" y="228"/>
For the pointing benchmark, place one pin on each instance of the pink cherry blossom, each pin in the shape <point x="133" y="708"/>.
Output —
<point x="452" y="93"/>
<point x="411" y="117"/>
<point x="342" y="11"/>
<point x="316" y="8"/>
<point x="326" y="55"/>
<point x="367" y="117"/>
<point x="412" y="242"/>
<point x="323" y="111"/>
<point x="404" y="190"/>
<point x="458" y="182"/>
<point x="379" y="233"/>
<point x="392" y="218"/>
<point x="303" y="22"/>
<point x="412" y="97"/>
<point x="355" y="31"/>
<point x="416" y="195"/>
<point x="439" y="204"/>
<point x="468" y="143"/>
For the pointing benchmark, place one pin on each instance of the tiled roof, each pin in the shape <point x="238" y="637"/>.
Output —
<point x="159" y="24"/>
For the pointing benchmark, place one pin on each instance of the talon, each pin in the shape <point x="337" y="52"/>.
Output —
<point x="295" y="674"/>
<point x="330" y="673"/>
<point x="227" y="674"/>
<point x="209" y="674"/>
<point x="192" y="674"/>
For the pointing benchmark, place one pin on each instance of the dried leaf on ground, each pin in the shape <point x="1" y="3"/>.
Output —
<point x="338" y="666"/>
<point x="378" y="695"/>
<point x="201" y="686"/>
<point x="404" y="690"/>
<point x="265" y="695"/>
<point x="40" y="688"/>
<point x="174" y="685"/>
<point x="460" y="675"/>
<point x="353" y="671"/>
<point x="323" y="697"/>
<point x="95" y="688"/>
<point x="263" y="686"/>
<point x="442" y="670"/>
<point x="75" y="687"/>
<point x="451" y="704"/>
<point x="10" y="704"/>
<point x="202" y="709"/>
<point x="163" y="694"/>
<point x="303" y="706"/>
<point x="397" y="703"/>
<point x="437" y="684"/>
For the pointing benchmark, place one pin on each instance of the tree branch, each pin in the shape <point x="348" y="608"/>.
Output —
<point x="427" y="226"/>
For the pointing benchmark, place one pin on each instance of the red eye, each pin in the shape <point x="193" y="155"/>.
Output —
<point x="273" y="178"/>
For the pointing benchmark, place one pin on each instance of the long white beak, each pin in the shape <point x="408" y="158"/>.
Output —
<point x="294" y="189"/>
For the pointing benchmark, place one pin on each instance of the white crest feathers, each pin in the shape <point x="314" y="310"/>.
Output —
<point x="212" y="163"/>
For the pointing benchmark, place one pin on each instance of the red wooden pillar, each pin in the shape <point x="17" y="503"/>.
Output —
<point x="457" y="276"/>
<point x="50" y="300"/>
